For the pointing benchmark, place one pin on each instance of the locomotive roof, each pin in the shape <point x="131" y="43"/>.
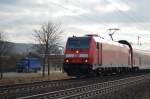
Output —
<point x="101" y="40"/>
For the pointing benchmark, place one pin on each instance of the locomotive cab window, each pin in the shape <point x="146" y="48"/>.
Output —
<point x="78" y="42"/>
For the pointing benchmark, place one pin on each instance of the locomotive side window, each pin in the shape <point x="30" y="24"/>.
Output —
<point x="80" y="42"/>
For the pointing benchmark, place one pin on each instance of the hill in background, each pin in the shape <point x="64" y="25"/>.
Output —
<point x="23" y="48"/>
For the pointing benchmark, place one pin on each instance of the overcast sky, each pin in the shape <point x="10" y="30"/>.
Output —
<point x="78" y="17"/>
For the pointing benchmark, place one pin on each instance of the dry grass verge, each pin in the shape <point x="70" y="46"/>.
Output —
<point x="31" y="77"/>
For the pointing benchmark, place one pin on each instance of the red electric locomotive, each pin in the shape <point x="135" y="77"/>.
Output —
<point x="92" y="55"/>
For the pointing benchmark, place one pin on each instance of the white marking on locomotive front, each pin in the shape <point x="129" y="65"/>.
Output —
<point x="69" y="55"/>
<point x="83" y="55"/>
<point x="77" y="55"/>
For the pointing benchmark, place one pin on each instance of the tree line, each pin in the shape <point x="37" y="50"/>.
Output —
<point x="48" y="41"/>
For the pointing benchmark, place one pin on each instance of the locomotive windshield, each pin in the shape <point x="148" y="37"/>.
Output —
<point x="78" y="42"/>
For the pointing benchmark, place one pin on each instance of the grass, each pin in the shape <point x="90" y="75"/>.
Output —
<point x="31" y="77"/>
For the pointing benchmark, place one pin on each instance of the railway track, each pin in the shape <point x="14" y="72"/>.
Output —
<point x="29" y="89"/>
<point x="92" y="90"/>
<point x="26" y="89"/>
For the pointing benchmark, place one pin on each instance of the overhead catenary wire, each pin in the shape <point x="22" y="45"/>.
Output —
<point x="119" y="12"/>
<point x="132" y="18"/>
<point x="74" y="11"/>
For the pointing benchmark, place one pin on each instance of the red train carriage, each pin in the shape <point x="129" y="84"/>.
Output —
<point x="141" y="59"/>
<point x="92" y="55"/>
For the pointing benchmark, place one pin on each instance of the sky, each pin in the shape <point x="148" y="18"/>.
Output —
<point x="19" y="18"/>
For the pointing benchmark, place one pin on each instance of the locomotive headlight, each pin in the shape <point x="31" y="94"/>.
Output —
<point x="77" y="51"/>
<point x="86" y="61"/>
<point x="67" y="60"/>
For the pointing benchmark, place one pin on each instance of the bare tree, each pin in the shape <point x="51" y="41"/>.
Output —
<point x="4" y="49"/>
<point x="48" y="37"/>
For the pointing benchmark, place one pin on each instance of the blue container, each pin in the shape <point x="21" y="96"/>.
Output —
<point x="29" y="65"/>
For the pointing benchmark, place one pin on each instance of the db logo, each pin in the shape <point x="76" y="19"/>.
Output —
<point x="76" y="55"/>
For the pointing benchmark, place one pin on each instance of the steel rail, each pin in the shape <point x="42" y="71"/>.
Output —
<point x="19" y="87"/>
<point x="75" y="93"/>
<point x="22" y="91"/>
<point x="7" y="87"/>
<point x="105" y="90"/>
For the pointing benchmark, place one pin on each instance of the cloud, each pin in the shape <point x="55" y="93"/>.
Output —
<point x="111" y="7"/>
<point x="20" y="17"/>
